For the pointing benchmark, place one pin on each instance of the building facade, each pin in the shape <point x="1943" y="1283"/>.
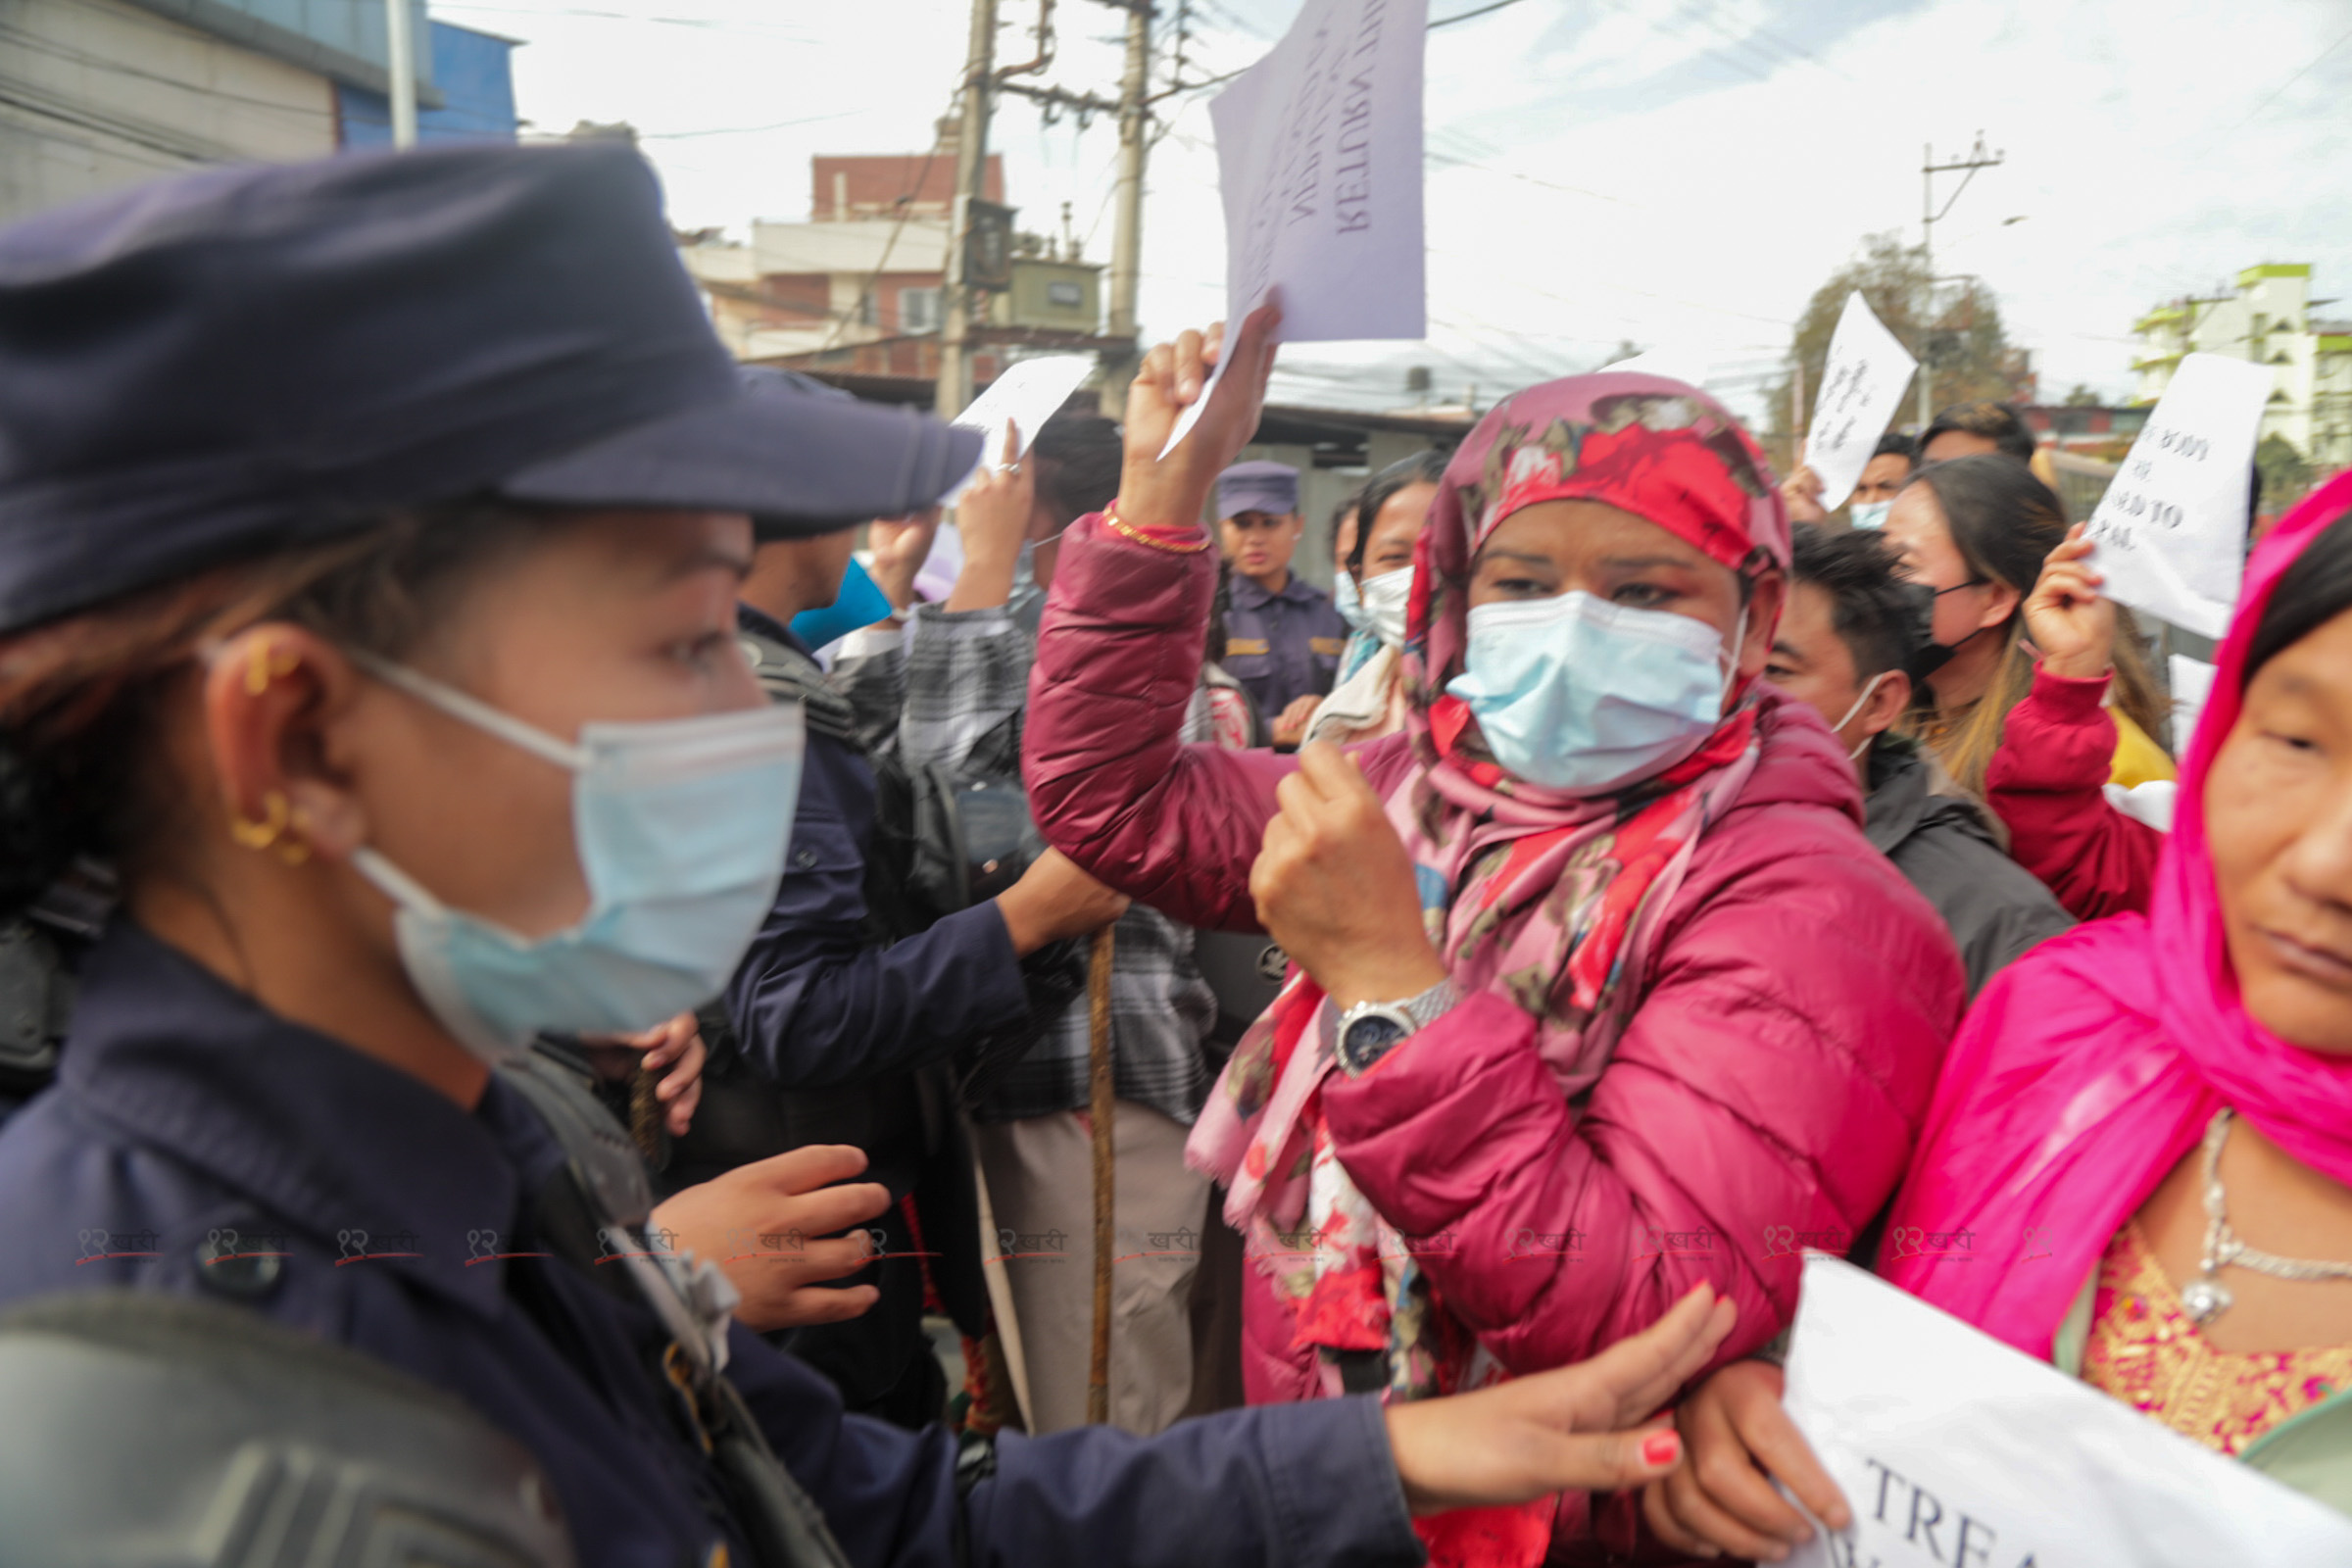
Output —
<point x="474" y="73"/>
<point x="857" y="292"/>
<point x="96" y="94"/>
<point x="2266" y="319"/>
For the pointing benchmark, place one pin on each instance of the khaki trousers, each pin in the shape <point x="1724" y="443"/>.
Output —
<point x="1040" y="1175"/>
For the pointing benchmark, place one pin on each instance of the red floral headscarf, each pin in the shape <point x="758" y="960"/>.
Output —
<point x="1549" y="900"/>
<point x="1660" y="449"/>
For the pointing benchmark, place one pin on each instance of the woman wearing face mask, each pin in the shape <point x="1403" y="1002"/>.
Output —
<point x="368" y="597"/>
<point x="2188" y="1223"/>
<point x="1378" y="570"/>
<point x="1975" y="532"/>
<point x="1598" y="989"/>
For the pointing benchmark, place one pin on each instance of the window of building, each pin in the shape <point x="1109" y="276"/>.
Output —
<point x="920" y="310"/>
<point x="869" y="311"/>
<point x="1067" y="293"/>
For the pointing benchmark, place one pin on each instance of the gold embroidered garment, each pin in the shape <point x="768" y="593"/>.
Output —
<point x="2145" y="1350"/>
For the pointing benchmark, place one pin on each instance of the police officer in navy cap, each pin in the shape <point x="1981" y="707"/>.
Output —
<point x="1283" y="635"/>
<point x="371" y="533"/>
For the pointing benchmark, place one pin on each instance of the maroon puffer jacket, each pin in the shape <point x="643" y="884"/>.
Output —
<point x="1764" y="1097"/>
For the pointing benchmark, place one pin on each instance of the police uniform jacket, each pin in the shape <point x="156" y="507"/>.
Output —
<point x="196" y="1144"/>
<point x="1282" y="647"/>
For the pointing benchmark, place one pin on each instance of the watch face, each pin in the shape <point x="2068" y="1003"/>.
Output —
<point x="1367" y="1039"/>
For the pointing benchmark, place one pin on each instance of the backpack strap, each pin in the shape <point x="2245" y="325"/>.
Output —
<point x="694" y="1301"/>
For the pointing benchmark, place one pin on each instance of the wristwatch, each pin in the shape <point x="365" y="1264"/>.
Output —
<point x="1370" y="1030"/>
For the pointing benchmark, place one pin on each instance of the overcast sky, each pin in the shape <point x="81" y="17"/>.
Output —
<point x="1679" y="172"/>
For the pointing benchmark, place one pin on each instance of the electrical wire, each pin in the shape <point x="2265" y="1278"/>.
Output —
<point x="2273" y="97"/>
<point x="82" y="57"/>
<point x="905" y="212"/>
<point x="746" y="131"/>
<point x="154" y="139"/>
<point x="136" y="155"/>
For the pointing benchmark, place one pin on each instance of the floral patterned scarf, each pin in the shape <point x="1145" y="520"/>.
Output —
<point x="1549" y="898"/>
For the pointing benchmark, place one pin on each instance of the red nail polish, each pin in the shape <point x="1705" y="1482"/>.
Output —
<point x="1661" y="1448"/>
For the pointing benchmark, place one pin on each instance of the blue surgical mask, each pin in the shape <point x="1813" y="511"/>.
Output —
<point x="1869" y="513"/>
<point x="1383" y="601"/>
<point x="1345" y="599"/>
<point x="860" y="602"/>
<point x="682" y="826"/>
<point x="1582" y="696"/>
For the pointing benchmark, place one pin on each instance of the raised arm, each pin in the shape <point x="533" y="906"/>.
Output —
<point x="2048" y="785"/>
<point x="1110" y="782"/>
<point x="1118" y="655"/>
<point x="2047" y="782"/>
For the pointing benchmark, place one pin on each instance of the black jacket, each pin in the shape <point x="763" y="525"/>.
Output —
<point x="1947" y="848"/>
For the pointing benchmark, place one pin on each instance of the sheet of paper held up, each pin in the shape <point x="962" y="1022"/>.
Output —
<point x="1319" y="164"/>
<point x="2192" y="684"/>
<point x="1862" y="383"/>
<point x="1029" y="393"/>
<point x="1952" y="1448"/>
<point x="2171" y="527"/>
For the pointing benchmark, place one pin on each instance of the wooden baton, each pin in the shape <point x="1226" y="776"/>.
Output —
<point x="1103" y="1112"/>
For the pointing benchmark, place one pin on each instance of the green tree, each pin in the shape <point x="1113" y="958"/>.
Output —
<point x="2285" y="475"/>
<point x="2081" y="397"/>
<point x="1955" y="330"/>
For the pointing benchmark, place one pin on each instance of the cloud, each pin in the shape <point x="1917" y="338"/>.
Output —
<point x="1680" y="173"/>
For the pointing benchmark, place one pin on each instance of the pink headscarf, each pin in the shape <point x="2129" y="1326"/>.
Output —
<point x="2090" y="1067"/>
<point x="1491" y="848"/>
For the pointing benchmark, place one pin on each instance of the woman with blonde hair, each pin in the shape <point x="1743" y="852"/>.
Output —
<point x="1977" y="531"/>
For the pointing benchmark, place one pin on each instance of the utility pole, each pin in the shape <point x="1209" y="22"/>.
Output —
<point x="1127" y="238"/>
<point x="971" y="177"/>
<point x="982" y="80"/>
<point x="400" y="72"/>
<point x="1966" y="165"/>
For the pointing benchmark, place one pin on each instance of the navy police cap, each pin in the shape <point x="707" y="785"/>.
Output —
<point x="252" y="358"/>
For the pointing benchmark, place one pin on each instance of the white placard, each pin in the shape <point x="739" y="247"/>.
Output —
<point x="2171" y="527"/>
<point x="1319" y="164"/>
<point x="1862" y="385"/>
<point x="1029" y="393"/>
<point x="1954" y="1449"/>
<point x="2192" y="683"/>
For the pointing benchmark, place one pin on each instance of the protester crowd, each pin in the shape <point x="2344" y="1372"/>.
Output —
<point x="658" y="899"/>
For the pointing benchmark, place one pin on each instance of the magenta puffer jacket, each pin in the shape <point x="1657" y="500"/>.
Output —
<point x="1763" y="1098"/>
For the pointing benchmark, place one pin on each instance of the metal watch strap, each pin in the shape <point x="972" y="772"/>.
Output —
<point x="1431" y="1004"/>
<point x="1417" y="1011"/>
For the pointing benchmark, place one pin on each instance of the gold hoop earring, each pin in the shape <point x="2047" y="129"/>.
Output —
<point x="276" y="812"/>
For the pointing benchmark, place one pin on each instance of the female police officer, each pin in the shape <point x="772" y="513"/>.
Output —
<point x="368" y="539"/>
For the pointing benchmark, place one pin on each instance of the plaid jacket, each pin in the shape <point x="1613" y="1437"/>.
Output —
<point x="952" y="678"/>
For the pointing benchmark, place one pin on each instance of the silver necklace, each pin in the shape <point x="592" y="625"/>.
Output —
<point x="2206" y="1298"/>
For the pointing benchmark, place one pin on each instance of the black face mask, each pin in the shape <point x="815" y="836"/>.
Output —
<point x="1930" y="655"/>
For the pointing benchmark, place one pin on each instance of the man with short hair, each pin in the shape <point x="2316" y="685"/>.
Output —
<point x="1890" y="466"/>
<point x="1971" y="430"/>
<point x="1282" y="637"/>
<point x="1850" y="630"/>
